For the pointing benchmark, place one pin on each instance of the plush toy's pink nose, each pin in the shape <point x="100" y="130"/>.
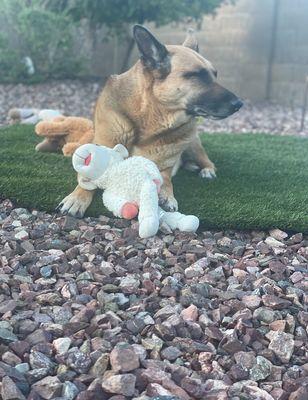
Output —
<point x="88" y="159"/>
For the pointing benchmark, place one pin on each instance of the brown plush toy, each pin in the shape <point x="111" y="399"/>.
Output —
<point x="64" y="133"/>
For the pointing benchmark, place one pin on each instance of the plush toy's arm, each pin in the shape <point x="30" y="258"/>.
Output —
<point x="114" y="203"/>
<point x="176" y="220"/>
<point x="148" y="211"/>
<point x="70" y="147"/>
<point x="86" y="183"/>
<point x="153" y="171"/>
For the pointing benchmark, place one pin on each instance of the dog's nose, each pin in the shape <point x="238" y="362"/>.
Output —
<point x="237" y="104"/>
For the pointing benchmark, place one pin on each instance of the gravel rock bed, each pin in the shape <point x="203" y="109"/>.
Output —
<point x="90" y="311"/>
<point x="78" y="98"/>
<point x="70" y="97"/>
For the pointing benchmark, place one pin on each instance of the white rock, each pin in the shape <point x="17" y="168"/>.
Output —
<point x="62" y="345"/>
<point x="16" y="223"/>
<point x="278" y="234"/>
<point x="282" y="344"/>
<point x="273" y="242"/>
<point x="194" y="271"/>
<point x="22" y="235"/>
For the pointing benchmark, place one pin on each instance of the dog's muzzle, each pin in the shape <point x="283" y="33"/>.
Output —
<point x="224" y="111"/>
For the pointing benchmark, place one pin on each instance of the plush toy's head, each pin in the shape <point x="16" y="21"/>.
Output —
<point x="91" y="160"/>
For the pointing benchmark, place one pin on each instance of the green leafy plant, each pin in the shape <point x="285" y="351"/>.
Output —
<point x="42" y="35"/>
<point x="11" y="67"/>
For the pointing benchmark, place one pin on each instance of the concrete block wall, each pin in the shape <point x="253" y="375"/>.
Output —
<point x="291" y="52"/>
<point x="238" y="42"/>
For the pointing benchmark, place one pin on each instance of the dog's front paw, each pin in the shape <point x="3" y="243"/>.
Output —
<point x="168" y="203"/>
<point x="207" y="173"/>
<point x="74" y="205"/>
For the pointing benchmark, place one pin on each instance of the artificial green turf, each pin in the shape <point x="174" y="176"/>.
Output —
<point x="262" y="181"/>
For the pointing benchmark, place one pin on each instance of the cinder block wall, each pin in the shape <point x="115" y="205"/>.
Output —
<point x="291" y="52"/>
<point x="236" y="41"/>
<point x="239" y="41"/>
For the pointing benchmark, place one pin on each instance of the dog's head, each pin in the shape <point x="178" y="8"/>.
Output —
<point x="181" y="79"/>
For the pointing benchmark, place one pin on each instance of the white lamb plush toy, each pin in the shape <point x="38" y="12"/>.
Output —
<point x="131" y="186"/>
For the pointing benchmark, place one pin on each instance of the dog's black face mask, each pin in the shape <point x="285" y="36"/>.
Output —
<point x="183" y="78"/>
<point x="215" y="102"/>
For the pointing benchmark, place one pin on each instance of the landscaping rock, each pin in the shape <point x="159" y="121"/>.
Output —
<point x="69" y="390"/>
<point x="170" y="353"/>
<point x="78" y="361"/>
<point x="117" y="317"/>
<point x="62" y="345"/>
<point x="120" y="384"/>
<point x="282" y="344"/>
<point x="40" y="360"/>
<point x="48" y="388"/>
<point x="100" y="365"/>
<point x="261" y="369"/>
<point x="123" y="358"/>
<point x="9" y="390"/>
<point x="190" y="313"/>
<point x="6" y="336"/>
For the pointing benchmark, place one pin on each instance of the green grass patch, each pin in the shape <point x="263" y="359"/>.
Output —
<point x="262" y="180"/>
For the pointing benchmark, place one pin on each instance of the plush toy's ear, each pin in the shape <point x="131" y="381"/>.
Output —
<point x="122" y="150"/>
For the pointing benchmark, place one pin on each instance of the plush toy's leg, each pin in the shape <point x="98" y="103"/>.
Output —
<point x="118" y="206"/>
<point x="148" y="212"/>
<point x="52" y="128"/>
<point x="49" y="146"/>
<point x="87" y="137"/>
<point x="69" y="148"/>
<point x="176" y="220"/>
<point x="130" y="210"/>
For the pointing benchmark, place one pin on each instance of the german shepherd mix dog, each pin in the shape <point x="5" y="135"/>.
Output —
<point x="152" y="109"/>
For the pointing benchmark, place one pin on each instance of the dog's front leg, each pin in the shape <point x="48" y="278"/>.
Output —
<point x="77" y="202"/>
<point x="166" y="196"/>
<point x="195" y="158"/>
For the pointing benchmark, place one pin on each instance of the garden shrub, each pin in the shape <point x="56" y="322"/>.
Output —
<point x="43" y="35"/>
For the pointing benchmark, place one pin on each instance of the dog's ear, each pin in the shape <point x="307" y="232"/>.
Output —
<point x="154" y="54"/>
<point x="191" y="40"/>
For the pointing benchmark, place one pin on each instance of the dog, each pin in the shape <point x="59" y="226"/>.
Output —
<point x="152" y="108"/>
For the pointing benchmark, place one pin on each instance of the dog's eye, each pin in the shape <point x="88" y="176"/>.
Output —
<point x="201" y="74"/>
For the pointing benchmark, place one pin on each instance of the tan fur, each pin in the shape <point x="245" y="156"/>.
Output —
<point x="66" y="133"/>
<point x="127" y="112"/>
<point x="148" y="113"/>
